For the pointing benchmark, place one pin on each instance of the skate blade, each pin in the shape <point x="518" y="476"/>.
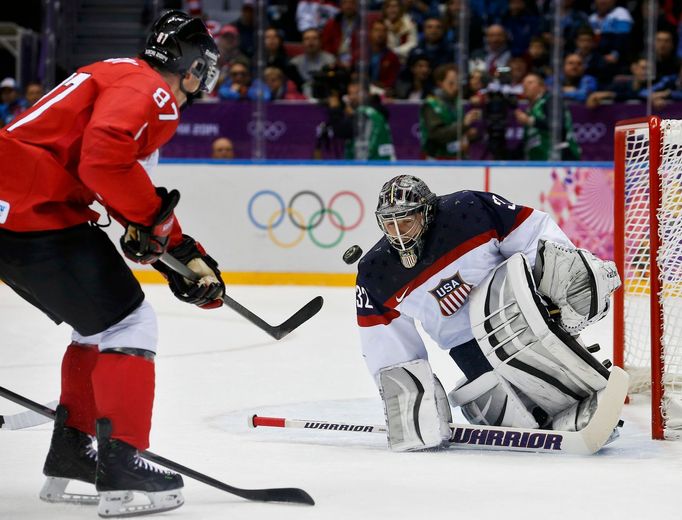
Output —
<point x="114" y="504"/>
<point x="54" y="491"/>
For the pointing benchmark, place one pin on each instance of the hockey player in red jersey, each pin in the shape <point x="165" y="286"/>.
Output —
<point x="500" y="287"/>
<point x="96" y="137"/>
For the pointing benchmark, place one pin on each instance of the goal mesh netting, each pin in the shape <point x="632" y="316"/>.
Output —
<point x="638" y="355"/>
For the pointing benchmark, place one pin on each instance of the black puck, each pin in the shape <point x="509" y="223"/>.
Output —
<point x="352" y="254"/>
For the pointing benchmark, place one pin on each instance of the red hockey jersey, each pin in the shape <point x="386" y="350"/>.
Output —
<point x="82" y="141"/>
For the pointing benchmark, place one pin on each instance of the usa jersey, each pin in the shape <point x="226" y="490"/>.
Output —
<point x="472" y="233"/>
<point x="87" y="139"/>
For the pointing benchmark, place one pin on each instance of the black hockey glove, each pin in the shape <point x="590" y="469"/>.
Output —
<point x="145" y="244"/>
<point x="206" y="293"/>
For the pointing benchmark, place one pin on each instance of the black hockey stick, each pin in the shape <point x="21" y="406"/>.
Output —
<point x="294" y="495"/>
<point x="25" y="419"/>
<point x="279" y="331"/>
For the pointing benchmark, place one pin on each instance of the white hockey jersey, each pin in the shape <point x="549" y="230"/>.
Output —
<point x="472" y="233"/>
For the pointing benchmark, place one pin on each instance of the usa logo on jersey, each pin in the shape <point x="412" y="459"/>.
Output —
<point x="451" y="294"/>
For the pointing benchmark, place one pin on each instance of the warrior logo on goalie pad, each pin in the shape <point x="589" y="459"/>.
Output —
<point x="451" y="294"/>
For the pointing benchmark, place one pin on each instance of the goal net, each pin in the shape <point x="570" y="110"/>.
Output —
<point x="648" y="252"/>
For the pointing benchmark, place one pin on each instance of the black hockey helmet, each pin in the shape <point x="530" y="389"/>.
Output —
<point x="179" y="44"/>
<point x="403" y="199"/>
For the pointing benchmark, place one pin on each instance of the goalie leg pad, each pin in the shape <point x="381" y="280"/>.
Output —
<point x="490" y="400"/>
<point x="578" y="282"/>
<point x="416" y="407"/>
<point x="524" y="346"/>
<point x="443" y="407"/>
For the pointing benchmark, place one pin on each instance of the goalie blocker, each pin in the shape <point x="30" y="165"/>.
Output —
<point x="540" y="377"/>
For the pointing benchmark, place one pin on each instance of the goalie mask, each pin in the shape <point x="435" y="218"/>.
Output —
<point x="180" y="44"/>
<point x="406" y="208"/>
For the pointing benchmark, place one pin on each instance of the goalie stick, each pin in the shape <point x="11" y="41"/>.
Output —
<point x="279" y="331"/>
<point x="584" y="442"/>
<point x="293" y="495"/>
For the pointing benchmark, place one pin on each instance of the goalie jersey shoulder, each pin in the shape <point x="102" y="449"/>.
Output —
<point x="464" y="220"/>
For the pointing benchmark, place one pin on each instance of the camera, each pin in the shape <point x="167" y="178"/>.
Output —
<point x="329" y="79"/>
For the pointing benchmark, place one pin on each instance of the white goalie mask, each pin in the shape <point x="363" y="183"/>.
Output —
<point x="406" y="208"/>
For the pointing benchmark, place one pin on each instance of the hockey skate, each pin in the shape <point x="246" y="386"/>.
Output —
<point x="71" y="457"/>
<point x="121" y="472"/>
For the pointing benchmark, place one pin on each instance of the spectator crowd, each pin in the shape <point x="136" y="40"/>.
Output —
<point x="14" y="101"/>
<point x="312" y="49"/>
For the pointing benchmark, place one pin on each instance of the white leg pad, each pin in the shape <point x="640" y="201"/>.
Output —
<point x="417" y="415"/>
<point x="525" y="347"/>
<point x="490" y="400"/>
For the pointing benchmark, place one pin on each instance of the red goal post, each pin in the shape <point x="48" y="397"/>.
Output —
<point x="648" y="253"/>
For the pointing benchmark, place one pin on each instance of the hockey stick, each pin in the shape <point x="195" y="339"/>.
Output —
<point x="27" y="419"/>
<point x="584" y="442"/>
<point x="279" y="331"/>
<point x="294" y="495"/>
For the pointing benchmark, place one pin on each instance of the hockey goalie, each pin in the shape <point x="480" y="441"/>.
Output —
<point x="503" y="289"/>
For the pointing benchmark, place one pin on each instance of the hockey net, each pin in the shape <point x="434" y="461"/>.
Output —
<point x="648" y="252"/>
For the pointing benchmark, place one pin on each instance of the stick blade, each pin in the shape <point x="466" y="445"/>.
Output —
<point x="299" y="318"/>
<point x="287" y="495"/>
<point x="606" y="417"/>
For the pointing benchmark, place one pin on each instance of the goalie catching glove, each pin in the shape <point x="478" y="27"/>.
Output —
<point x="207" y="292"/>
<point x="576" y="281"/>
<point x="145" y="244"/>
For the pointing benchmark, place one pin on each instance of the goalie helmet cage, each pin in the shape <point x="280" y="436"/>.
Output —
<point x="648" y="253"/>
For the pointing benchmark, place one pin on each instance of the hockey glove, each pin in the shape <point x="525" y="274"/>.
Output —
<point x="145" y="244"/>
<point x="576" y="281"/>
<point x="208" y="291"/>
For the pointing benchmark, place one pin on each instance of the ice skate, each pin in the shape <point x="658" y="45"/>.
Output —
<point x="71" y="457"/>
<point x="121" y="472"/>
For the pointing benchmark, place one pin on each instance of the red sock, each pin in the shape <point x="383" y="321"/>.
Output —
<point x="124" y="393"/>
<point x="77" y="395"/>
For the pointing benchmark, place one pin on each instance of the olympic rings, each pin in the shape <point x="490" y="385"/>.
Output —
<point x="310" y="230"/>
<point x="297" y="240"/>
<point x="281" y="211"/>
<point x="319" y="200"/>
<point x="360" y="205"/>
<point x="271" y="130"/>
<point x="299" y="221"/>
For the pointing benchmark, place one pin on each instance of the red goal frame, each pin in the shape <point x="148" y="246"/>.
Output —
<point x="653" y="123"/>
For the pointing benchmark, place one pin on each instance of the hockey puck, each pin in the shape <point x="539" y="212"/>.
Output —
<point x="352" y="254"/>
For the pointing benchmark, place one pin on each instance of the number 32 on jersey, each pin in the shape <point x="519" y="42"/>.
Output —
<point x="362" y="298"/>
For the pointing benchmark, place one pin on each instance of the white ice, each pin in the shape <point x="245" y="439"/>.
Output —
<point x="214" y="369"/>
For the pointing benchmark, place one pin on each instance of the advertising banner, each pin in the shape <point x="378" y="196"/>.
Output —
<point x="290" y="130"/>
<point x="292" y="218"/>
<point x="291" y="223"/>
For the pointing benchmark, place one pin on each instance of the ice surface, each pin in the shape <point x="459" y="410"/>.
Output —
<point x="214" y="369"/>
